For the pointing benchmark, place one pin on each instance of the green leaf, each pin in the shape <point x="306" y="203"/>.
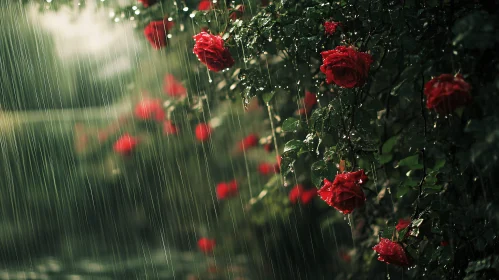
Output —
<point x="384" y="158"/>
<point x="402" y="233"/>
<point x="268" y="96"/>
<point x="388" y="232"/>
<point x="439" y="164"/>
<point x="319" y="171"/>
<point x="290" y="124"/>
<point x="388" y="145"/>
<point x="293" y="146"/>
<point x="412" y="162"/>
<point x="416" y="223"/>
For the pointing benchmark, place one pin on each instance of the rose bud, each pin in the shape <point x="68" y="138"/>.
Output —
<point x="227" y="189"/>
<point x="172" y="87"/>
<point x="147" y="3"/>
<point x="249" y="141"/>
<point x="268" y="147"/>
<point x="344" y="193"/>
<point x="391" y="252"/>
<point x="148" y="109"/>
<point x="156" y="32"/>
<point x="210" y="51"/>
<point x="445" y="93"/>
<point x="330" y="27"/>
<point x="346" y="67"/>
<point x="402" y="224"/>
<point x="206" y="245"/>
<point x="266" y="168"/>
<point x="169" y="128"/>
<point x="125" y="144"/>
<point x="237" y="12"/>
<point x="203" y="132"/>
<point x="205" y="5"/>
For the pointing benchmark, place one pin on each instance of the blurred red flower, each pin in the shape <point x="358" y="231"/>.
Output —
<point x="125" y="144"/>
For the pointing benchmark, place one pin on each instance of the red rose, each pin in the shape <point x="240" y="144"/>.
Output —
<point x="265" y="3"/>
<point x="172" y="87"/>
<point x="156" y="32"/>
<point x="266" y="168"/>
<point x="249" y="141"/>
<point x="445" y="93"/>
<point x="298" y="193"/>
<point x="309" y="102"/>
<point x="402" y="224"/>
<point x="444" y="243"/>
<point x="237" y="12"/>
<point x="345" y="66"/>
<point x="345" y="193"/>
<point x="206" y="245"/>
<point x="125" y="144"/>
<point x="330" y="27"/>
<point x="169" y="128"/>
<point x="391" y="252"/>
<point x="210" y="51"/>
<point x="148" y="109"/>
<point x="203" y="132"/>
<point x="147" y="3"/>
<point x="227" y="189"/>
<point x="205" y="5"/>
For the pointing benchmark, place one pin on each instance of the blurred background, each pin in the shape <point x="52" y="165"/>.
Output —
<point x="72" y="207"/>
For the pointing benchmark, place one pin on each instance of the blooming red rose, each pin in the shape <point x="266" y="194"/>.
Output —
<point x="298" y="193"/>
<point x="227" y="189"/>
<point x="444" y="243"/>
<point x="125" y="144"/>
<point x="345" y="66"/>
<point x="206" y="245"/>
<point x="148" y="109"/>
<point x="249" y="141"/>
<point x="391" y="252"/>
<point x="402" y="224"/>
<point x="210" y="51"/>
<point x="169" y="128"/>
<point x="445" y="93"/>
<point x="344" y="193"/>
<point x="265" y="3"/>
<point x="156" y="32"/>
<point x="203" y="132"/>
<point x="266" y="168"/>
<point x="330" y="27"/>
<point x="205" y="5"/>
<point x="147" y="3"/>
<point x="172" y="87"/>
<point x="237" y="12"/>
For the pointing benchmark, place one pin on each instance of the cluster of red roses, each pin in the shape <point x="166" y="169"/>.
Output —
<point x="344" y="66"/>
<point x="152" y="109"/>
